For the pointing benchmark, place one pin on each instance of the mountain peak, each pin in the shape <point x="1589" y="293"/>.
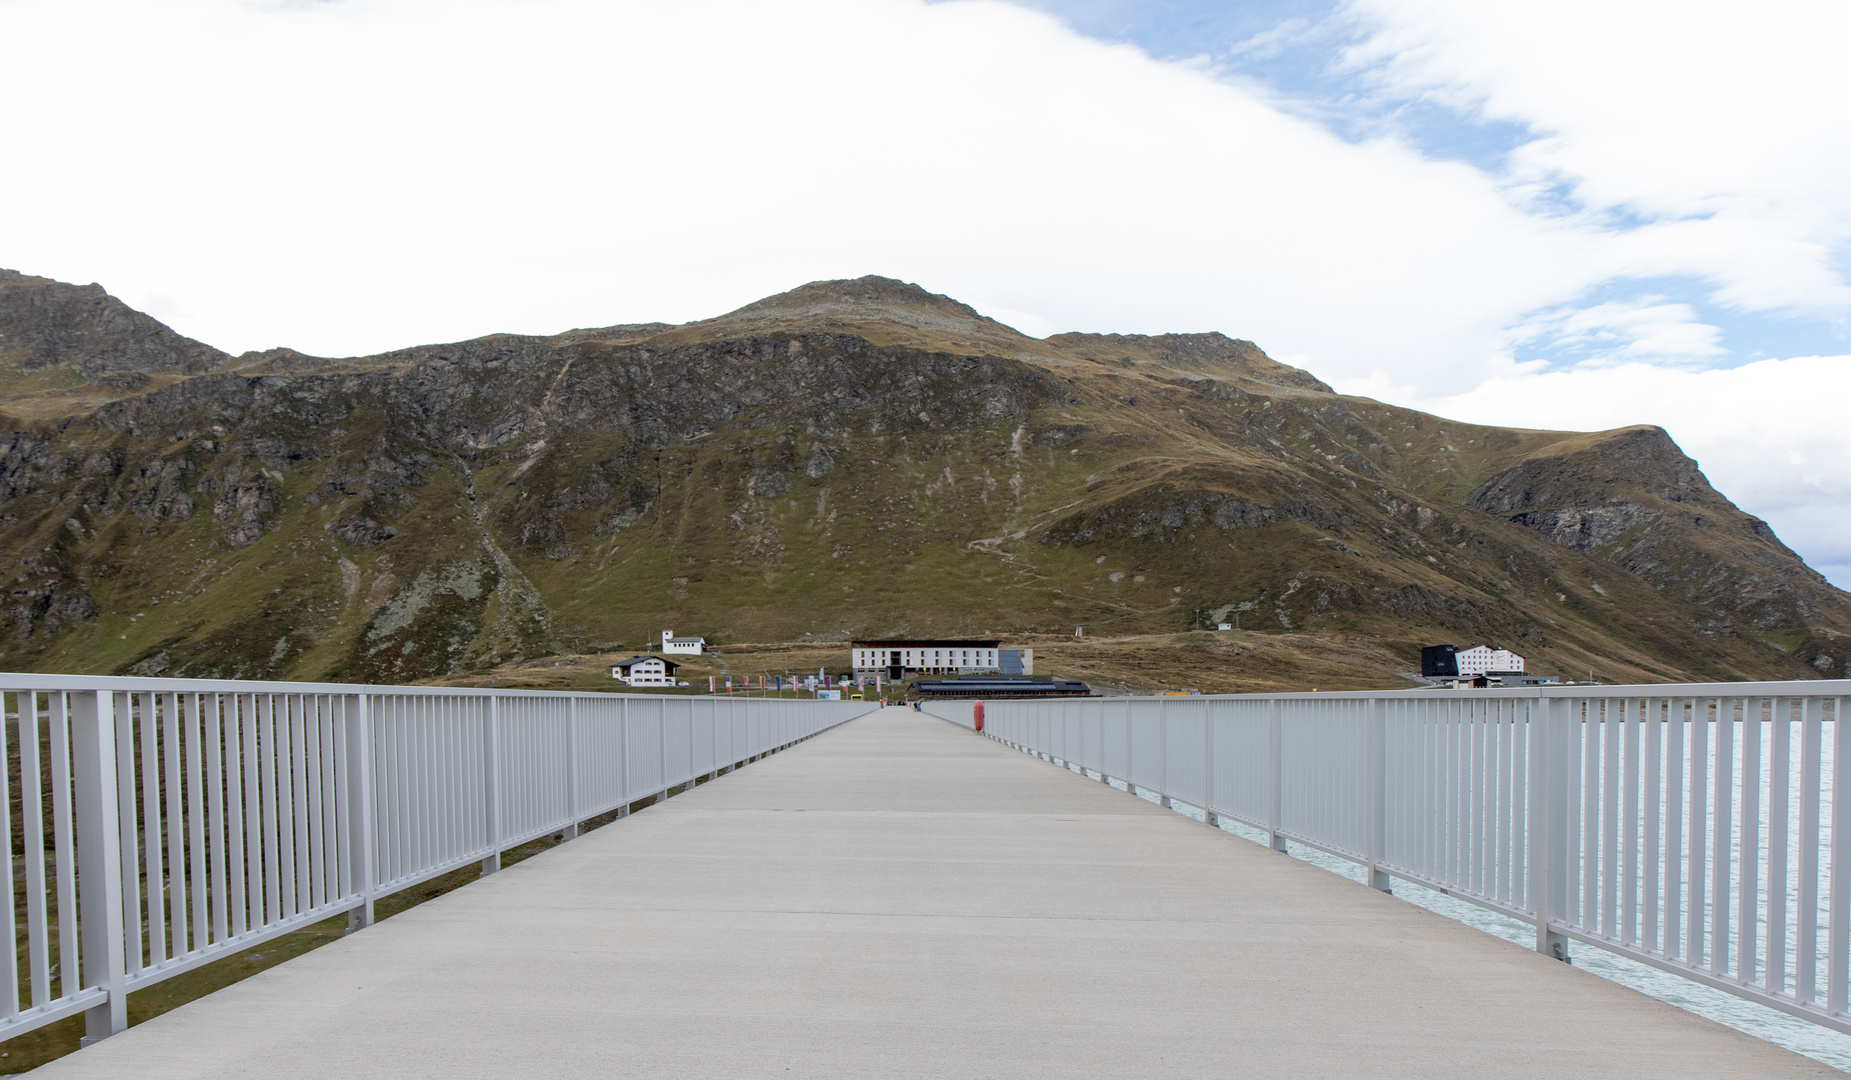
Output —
<point x="871" y="295"/>
<point x="46" y="323"/>
<point x="880" y="309"/>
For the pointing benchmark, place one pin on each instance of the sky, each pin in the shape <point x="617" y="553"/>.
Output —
<point x="1575" y="215"/>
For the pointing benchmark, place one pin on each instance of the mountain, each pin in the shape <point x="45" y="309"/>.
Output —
<point x="848" y="458"/>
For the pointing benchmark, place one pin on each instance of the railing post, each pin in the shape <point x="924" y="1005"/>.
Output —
<point x="570" y="832"/>
<point x="360" y="811"/>
<point x="1163" y="755"/>
<point x="1838" y="919"/>
<point x="1375" y="807"/>
<point x="623" y="755"/>
<point x="1275" y="754"/>
<point x="99" y="860"/>
<point x="1208" y="765"/>
<point x="1547" y="858"/>
<point x="491" y="785"/>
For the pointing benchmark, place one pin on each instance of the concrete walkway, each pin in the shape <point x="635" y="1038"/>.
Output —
<point x="900" y="898"/>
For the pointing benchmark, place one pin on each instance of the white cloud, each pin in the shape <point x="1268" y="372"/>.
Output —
<point x="1269" y="43"/>
<point x="1770" y="434"/>
<point x="1722" y="124"/>
<point x="1715" y="135"/>
<point x="1652" y="327"/>
<point x="360" y="175"/>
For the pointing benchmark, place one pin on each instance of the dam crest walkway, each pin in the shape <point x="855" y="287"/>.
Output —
<point x="899" y="897"/>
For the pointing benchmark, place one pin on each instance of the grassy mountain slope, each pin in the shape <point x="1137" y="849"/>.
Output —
<point x="849" y="458"/>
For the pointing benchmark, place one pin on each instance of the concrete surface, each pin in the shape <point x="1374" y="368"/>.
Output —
<point x="900" y="898"/>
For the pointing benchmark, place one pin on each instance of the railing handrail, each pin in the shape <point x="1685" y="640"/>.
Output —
<point x="25" y="680"/>
<point x="1781" y="688"/>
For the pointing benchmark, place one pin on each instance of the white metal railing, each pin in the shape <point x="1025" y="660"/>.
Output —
<point x="159" y="824"/>
<point x="1692" y="827"/>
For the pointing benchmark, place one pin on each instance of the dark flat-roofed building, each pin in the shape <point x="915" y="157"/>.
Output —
<point x="991" y="687"/>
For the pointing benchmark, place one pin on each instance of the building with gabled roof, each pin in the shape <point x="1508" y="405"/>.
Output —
<point x="645" y="671"/>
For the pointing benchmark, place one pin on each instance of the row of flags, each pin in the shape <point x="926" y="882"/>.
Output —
<point x="820" y="681"/>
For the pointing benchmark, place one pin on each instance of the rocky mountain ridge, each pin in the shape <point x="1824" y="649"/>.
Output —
<point x="849" y="458"/>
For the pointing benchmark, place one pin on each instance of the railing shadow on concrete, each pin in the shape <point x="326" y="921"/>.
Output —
<point x="173" y="822"/>
<point x="1690" y="827"/>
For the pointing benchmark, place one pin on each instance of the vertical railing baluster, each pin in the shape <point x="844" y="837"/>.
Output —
<point x="334" y="710"/>
<point x="300" y="797"/>
<point x="168" y="705"/>
<point x="155" y="884"/>
<point x="240" y="812"/>
<point x="1520" y="795"/>
<point x="1779" y="811"/>
<point x="1275" y="767"/>
<point x="1722" y="797"/>
<point x="572" y="758"/>
<point x="360" y="769"/>
<point x="1506" y="804"/>
<point x="249" y="914"/>
<point x="1651" y="896"/>
<point x="1609" y="815"/>
<point x="627" y="793"/>
<point x="222" y="876"/>
<point x="288" y="805"/>
<point x="1485" y="797"/>
<point x="1676" y="728"/>
<point x="1375" y="768"/>
<point x="395" y="789"/>
<point x="1550" y="798"/>
<point x="32" y="837"/>
<point x="128" y="829"/>
<point x="22" y="704"/>
<point x="1748" y="880"/>
<point x="196" y="823"/>
<point x="491" y="786"/>
<point x="314" y="724"/>
<point x="1697" y="832"/>
<point x="1838" y="932"/>
<point x="273" y="830"/>
<point x="1585" y="867"/>
<point x="1630" y="720"/>
<point x="1208" y="764"/>
<point x="1806" y="925"/>
<point x="64" y="842"/>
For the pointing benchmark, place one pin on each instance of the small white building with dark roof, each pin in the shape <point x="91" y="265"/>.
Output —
<point x="645" y="671"/>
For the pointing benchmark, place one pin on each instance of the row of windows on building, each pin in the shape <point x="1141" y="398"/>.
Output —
<point x="899" y="659"/>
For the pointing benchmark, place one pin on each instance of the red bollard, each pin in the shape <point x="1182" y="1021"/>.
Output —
<point x="976" y="715"/>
